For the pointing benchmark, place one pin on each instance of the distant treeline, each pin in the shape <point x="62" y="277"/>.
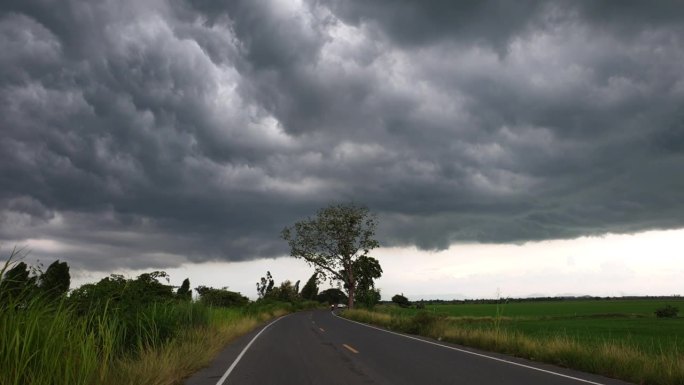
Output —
<point x="539" y="299"/>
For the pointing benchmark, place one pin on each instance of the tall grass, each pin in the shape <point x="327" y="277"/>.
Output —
<point x="63" y="342"/>
<point x="190" y="350"/>
<point x="195" y="347"/>
<point x="610" y="358"/>
<point x="44" y="343"/>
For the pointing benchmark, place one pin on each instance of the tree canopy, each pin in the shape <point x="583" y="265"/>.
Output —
<point x="15" y="281"/>
<point x="401" y="300"/>
<point x="332" y="296"/>
<point x="19" y="281"/>
<point x="184" y="292"/>
<point x="265" y="285"/>
<point x="118" y="292"/>
<point x="55" y="281"/>
<point x="310" y="289"/>
<point x="286" y="292"/>
<point x="337" y="242"/>
<point x="220" y="297"/>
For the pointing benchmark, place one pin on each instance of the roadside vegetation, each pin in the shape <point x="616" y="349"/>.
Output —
<point x="626" y="339"/>
<point x="142" y="330"/>
<point x="119" y="330"/>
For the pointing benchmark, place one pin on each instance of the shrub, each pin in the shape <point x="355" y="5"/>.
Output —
<point x="400" y="300"/>
<point x="310" y="289"/>
<point x="422" y="323"/>
<point x="332" y="296"/>
<point x="221" y="297"/>
<point x="667" y="311"/>
<point x="368" y="298"/>
<point x="286" y="292"/>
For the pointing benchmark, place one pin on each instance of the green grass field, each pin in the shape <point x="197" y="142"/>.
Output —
<point x="560" y="308"/>
<point x="631" y="322"/>
<point x="616" y="338"/>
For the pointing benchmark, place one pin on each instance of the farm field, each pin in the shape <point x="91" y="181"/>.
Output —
<point x="553" y="308"/>
<point x="616" y="338"/>
<point x="630" y="322"/>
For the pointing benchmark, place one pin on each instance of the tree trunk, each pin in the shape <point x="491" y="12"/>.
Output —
<point x="351" y="283"/>
<point x="350" y="303"/>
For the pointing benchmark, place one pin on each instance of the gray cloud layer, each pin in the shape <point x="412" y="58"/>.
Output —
<point x="145" y="133"/>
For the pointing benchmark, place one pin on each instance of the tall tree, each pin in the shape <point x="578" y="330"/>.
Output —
<point x="55" y="281"/>
<point x="286" y="292"/>
<point x="16" y="282"/>
<point x="334" y="241"/>
<point x="265" y="285"/>
<point x="310" y="289"/>
<point x="184" y="291"/>
<point x="367" y="269"/>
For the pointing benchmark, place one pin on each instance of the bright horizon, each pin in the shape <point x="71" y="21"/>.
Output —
<point x="643" y="264"/>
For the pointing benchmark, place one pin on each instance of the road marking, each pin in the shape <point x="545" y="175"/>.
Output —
<point x="469" y="352"/>
<point x="350" y="348"/>
<point x="322" y="329"/>
<point x="242" y="353"/>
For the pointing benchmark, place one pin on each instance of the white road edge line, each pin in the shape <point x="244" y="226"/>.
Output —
<point x="473" y="353"/>
<point x="242" y="353"/>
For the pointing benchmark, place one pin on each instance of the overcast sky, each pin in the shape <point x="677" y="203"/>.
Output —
<point x="184" y="135"/>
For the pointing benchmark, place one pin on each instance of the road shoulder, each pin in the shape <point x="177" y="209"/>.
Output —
<point x="501" y="357"/>
<point x="211" y="374"/>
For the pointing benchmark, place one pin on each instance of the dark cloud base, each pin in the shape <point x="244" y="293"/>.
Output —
<point x="144" y="134"/>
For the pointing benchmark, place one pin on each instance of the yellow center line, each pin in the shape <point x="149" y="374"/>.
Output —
<point x="350" y="348"/>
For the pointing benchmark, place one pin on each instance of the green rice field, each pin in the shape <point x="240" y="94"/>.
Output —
<point x="618" y="338"/>
<point x="631" y="322"/>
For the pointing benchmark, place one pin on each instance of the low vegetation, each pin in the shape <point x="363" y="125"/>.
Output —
<point x="619" y="339"/>
<point x="400" y="300"/>
<point x="117" y="331"/>
<point x="667" y="311"/>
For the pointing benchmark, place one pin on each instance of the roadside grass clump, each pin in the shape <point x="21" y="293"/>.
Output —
<point x="45" y="343"/>
<point x="623" y="360"/>
<point x="42" y="341"/>
<point x="194" y="348"/>
<point x="190" y="350"/>
<point x="49" y="343"/>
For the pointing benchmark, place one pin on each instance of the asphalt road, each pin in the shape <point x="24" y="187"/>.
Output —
<point x="317" y="347"/>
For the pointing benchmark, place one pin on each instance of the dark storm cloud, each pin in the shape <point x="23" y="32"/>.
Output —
<point x="419" y="22"/>
<point x="145" y="133"/>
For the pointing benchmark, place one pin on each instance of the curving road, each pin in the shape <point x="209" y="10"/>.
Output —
<point x="317" y="347"/>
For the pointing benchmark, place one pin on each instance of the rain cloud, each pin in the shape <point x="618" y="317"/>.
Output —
<point x="148" y="134"/>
